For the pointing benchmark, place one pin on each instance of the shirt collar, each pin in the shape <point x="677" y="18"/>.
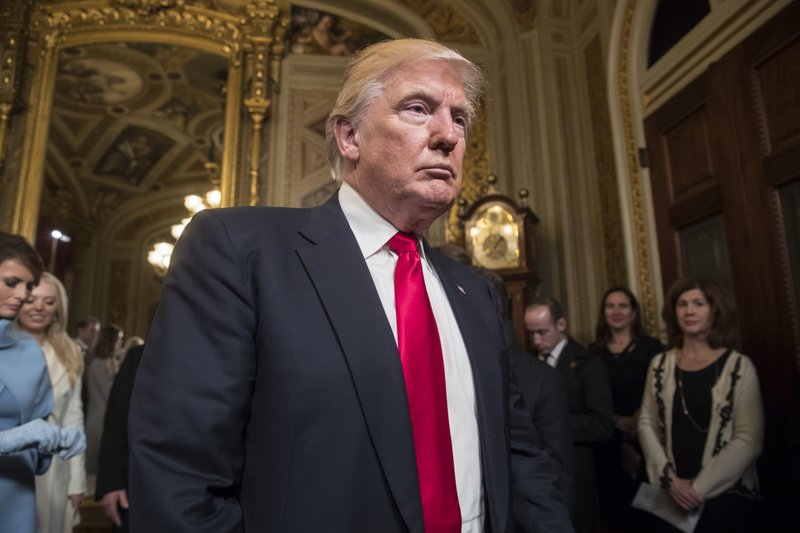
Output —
<point x="556" y="353"/>
<point x="371" y="230"/>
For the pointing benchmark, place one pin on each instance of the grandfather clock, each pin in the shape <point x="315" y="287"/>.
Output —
<point x="499" y="235"/>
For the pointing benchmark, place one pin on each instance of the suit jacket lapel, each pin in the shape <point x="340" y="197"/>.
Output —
<point x="565" y="362"/>
<point x="337" y="269"/>
<point x="488" y="380"/>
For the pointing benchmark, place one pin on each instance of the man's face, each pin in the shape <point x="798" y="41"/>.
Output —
<point x="407" y="153"/>
<point x="544" y="333"/>
<point x="89" y="334"/>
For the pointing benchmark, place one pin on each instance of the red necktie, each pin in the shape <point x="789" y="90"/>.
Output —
<point x="423" y="370"/>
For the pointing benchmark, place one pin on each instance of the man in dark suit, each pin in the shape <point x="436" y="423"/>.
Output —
<point x="588" y="392"/>
<point x="546" y="402"/>
<point x="112" y="463"/>
<point x="275" y="392"/>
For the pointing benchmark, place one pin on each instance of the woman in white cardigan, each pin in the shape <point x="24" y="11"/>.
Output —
<point x="60" y="490"/>
<point x="701" y="425"/>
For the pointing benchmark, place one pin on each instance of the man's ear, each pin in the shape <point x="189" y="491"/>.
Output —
<point x="346" y="139"/>
<point x="561" y="325"/>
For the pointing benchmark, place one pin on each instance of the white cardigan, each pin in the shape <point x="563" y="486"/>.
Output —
<point x="53" y="512"/>
<point x="735" y="434"/>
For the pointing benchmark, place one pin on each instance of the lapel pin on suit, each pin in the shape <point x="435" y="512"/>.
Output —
<point x="461" y="289"/>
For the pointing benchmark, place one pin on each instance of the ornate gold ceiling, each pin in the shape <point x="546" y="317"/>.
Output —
<point x="131" y="118"/>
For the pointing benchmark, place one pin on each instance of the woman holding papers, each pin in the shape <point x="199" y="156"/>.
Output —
<point x="701" y="423"/>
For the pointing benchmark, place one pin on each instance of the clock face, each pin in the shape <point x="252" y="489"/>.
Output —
<point x="494" y="236"/>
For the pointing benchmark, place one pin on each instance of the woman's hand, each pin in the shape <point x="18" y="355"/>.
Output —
<point x="75" y="500"/>
<point x="683" y="493"/>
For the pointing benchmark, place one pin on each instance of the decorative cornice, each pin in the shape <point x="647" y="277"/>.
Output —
<point x="646" y="287"/>
<point x="52" y="21"/>
<point x="448" y="23"/>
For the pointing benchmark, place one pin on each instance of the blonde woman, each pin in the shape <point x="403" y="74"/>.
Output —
<point x="44" y="317"/>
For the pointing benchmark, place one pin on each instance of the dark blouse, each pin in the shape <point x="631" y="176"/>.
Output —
<point x="689" y="432"/>
<point x="627" y="371"/>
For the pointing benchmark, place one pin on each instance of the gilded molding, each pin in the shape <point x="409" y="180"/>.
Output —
<point x="476" y="169"/>
<point x="5" y="113"/>
<point x="448" y="23"/>
<point x="607" y="187"/>
<point x="11" y="61"/>
<point x="645" y="274"/>
<point x="53" y="21"/>
<point x="264" y="44"/>
<point x="8" y="68"/>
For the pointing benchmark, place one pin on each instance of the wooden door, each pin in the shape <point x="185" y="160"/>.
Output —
<point x="725" y="173"/>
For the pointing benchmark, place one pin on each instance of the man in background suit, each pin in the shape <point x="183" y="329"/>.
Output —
<point x="539" y="384"/>
<point x="586" y="384"/>
<point x="112" y="462"/>
<point x="87" y="331"/>
<point x="546" y="402"/>
<point x="273" y="392"/>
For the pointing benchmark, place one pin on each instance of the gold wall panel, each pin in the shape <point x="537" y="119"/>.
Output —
<point x="608" y="192"/>
<point x="646" y="287"/>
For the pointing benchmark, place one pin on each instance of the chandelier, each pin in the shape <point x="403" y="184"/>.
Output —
<point x="160" y="253"/>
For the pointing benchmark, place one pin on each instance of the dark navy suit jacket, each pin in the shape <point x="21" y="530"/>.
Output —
<point x="270" y="396"/>
<point x="546" y="402"/>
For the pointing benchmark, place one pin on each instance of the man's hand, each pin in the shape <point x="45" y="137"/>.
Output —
<point x="684" y="494"/>
<point x="112" y="501"/>
<point x="631" y="460"/>
<point x="627" y="425"/>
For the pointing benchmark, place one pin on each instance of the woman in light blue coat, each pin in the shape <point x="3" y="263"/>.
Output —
<point x="27" y="442"/>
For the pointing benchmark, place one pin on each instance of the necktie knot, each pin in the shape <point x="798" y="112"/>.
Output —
<point x="403" y="242"/>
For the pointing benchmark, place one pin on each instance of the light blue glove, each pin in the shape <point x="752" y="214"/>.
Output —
<point x="73" y="442"/>
<point x="43" y="436"/>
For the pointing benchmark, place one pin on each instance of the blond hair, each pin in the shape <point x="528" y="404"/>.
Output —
<point x="367" y="71"/>
<point x="66" y="349"/>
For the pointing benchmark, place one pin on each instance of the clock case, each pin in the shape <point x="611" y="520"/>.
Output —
<point x="522" y="279"/>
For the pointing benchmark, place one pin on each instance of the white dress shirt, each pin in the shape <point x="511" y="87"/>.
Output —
<point x="373" y="233"/>
<point x="552" y="359"/>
